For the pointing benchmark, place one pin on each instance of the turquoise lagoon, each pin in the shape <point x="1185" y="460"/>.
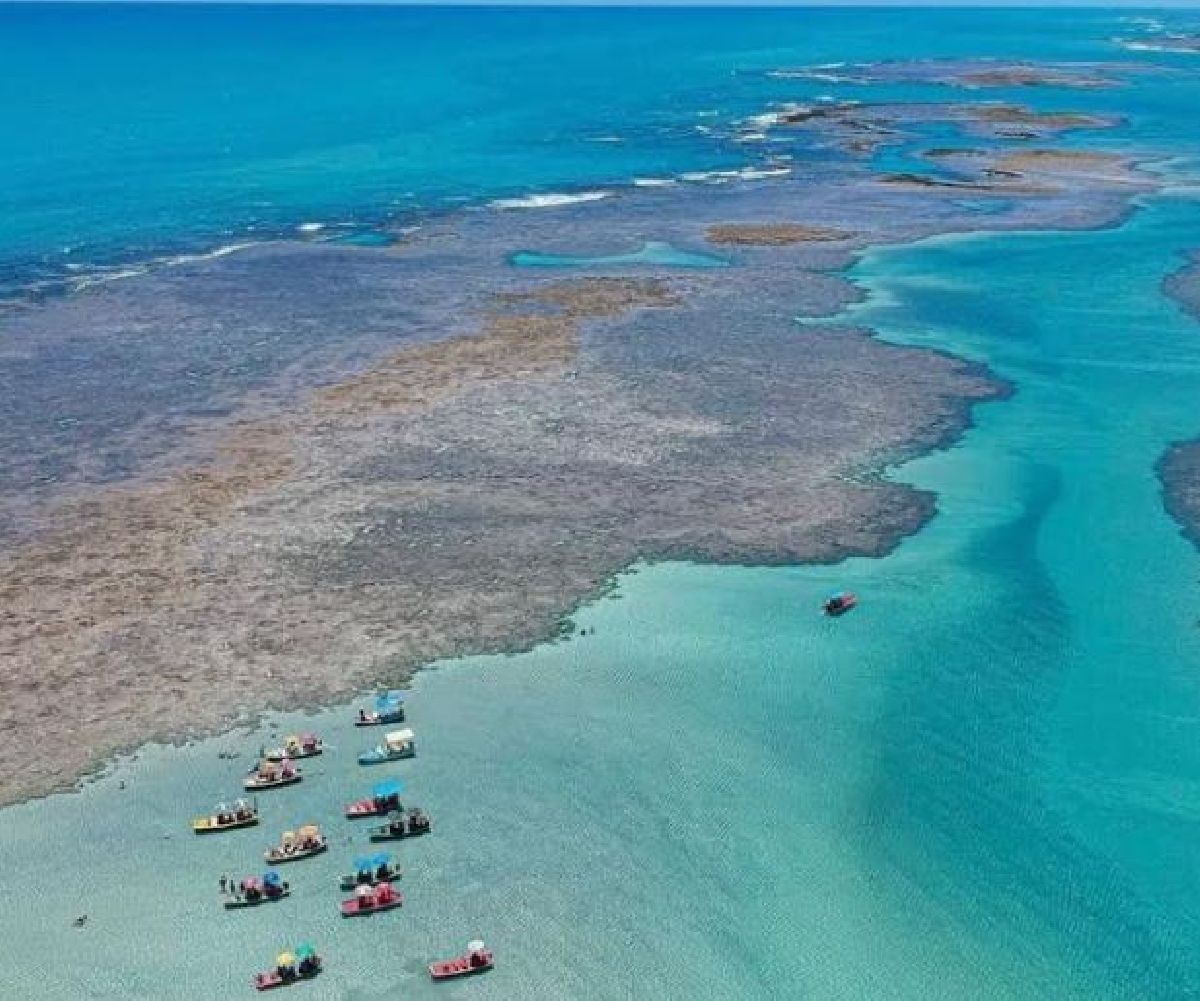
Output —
<point x="653" y="253"/>
<point x="985" y="783"/>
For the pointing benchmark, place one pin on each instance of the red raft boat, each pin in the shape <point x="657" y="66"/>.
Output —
<point x="476" y="959"/>
<point x="290" y="968"/>
<point x="384" y="798"/>
<point x="840" y="603"/>
<point x="370" y="899"/>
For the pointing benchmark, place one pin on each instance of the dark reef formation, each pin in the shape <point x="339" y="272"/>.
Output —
<point x="279" y="475"/>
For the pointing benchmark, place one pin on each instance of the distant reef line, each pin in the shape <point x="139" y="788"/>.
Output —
<point x="1179" y="467"/>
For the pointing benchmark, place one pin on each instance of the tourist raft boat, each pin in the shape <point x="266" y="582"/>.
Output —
<point x="370" y="870"/>
<point x="387" y="709"/>
<point x="307" y="841"/>
<point x="290" y="968"/>
<point x="384" y="798"/>
<point x="476" y="959"/>
<point x="251" y="891"/>
<point x="242" y="814"/>
<point x="306" y="745"/>
<point x="396" y="745"/>
<point x="268" y="775"/>
<point x="839" y="603"/>
<point x="372" y="900"/>
<point x="404" y="825"/>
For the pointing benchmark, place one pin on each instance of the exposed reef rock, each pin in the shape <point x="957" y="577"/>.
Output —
<point x="965" y="73"/>
<point x="772" y="234"/>
<point x="1179" y="468"/>
<point x="281" y="475"/>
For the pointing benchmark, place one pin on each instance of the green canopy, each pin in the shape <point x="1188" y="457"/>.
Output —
<point x="304" y="951"/>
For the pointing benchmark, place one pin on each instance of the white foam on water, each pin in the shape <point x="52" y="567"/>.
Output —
<point x="550" y="200"/>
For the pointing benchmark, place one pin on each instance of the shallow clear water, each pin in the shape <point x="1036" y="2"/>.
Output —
<point x="653" y="253"/>
<point x="984" y="783"/>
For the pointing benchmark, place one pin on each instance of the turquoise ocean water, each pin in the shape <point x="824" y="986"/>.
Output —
<point x="985" y="783"/>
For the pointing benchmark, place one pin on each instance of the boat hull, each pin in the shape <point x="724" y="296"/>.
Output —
<point x="239" y="903"/>
<point x="255" y="785"/>
<point x="354" y="909"/>
<point x="278" y="858"/>
<point x="453" y="969"/>
<point x="385" y="835"/>
<point x="266" y="981"/>
<point x="367" y="808"/>
<point x="371" y="758"/>
<point x="279" y="755"/>
<point x="205" y="825"/>
<point x="353" y="882"/>
<point x="396" y="717"/>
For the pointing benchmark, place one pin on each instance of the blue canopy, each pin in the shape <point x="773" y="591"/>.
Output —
<point x="389" y="701"/>
<point x="390" y="787"/>
<point x="272" y="878"/>
<point x="369" y="863"/>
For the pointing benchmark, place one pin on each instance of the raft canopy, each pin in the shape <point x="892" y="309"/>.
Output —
<point x="310" y="831"/>
<point x="476" y="945"/>
<point x="272" y="878"/>
<point x="404" y="736"/>
<point x="389" y="701"/>
<point x="285" y="959"/>
<point x="305" y="951"/>
<point x="390" y="787"/>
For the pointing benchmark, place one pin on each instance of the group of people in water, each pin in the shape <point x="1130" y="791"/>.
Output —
<point x="252" y="889"/>
<point x="241" y="811"/>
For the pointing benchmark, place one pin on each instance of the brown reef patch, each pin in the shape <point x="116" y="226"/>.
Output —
<point x="772" y="234"/>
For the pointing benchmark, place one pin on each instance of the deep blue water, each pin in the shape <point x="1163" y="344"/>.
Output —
<point x="985" y="783"/>
<point x="130" y="131"/>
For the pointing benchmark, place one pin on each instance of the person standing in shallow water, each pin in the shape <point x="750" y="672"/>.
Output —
<point x="224" y="883"/>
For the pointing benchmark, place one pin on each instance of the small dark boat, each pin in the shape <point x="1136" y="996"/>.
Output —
<point x="405" y="825"/>
<point x="290" y="968"/>
<point x="476" y="959"/>
<point x="388" y="708"/>
<point x="251" y="891"/>
<point x="370" y="870"/>
<point x="371" y="900"/>
<point x="840" y="603"/>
